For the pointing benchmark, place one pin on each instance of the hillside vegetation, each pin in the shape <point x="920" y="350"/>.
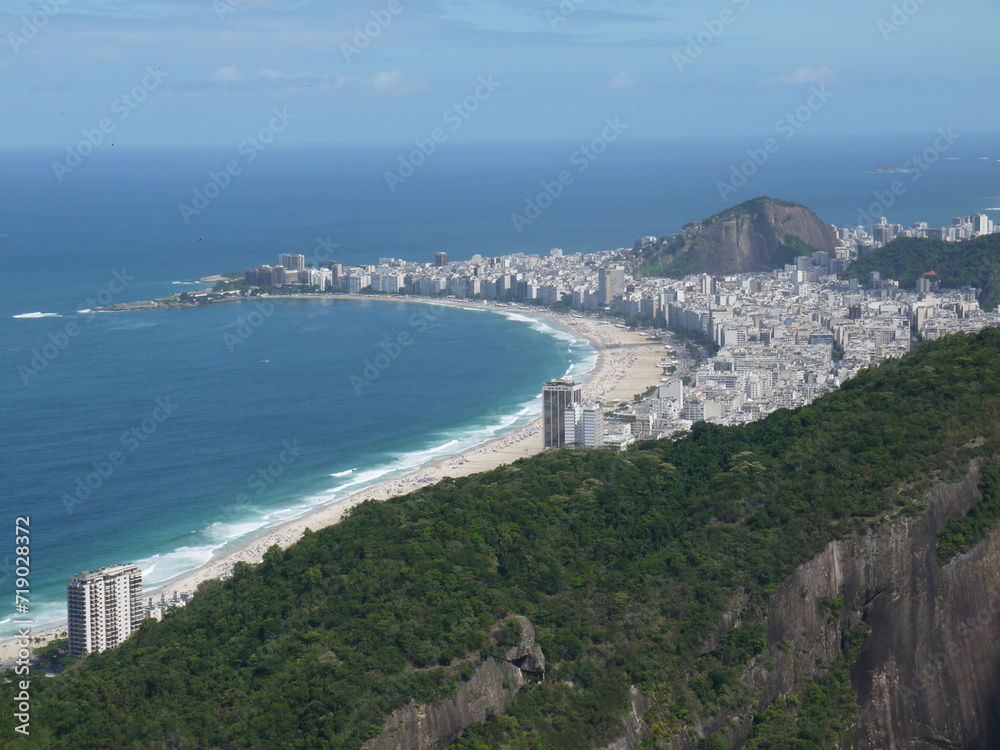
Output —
<point x="974" y="262"/>
<point x="624" y="564"/>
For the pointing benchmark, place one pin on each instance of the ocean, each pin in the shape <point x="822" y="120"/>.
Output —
<point x="160" y="436"/>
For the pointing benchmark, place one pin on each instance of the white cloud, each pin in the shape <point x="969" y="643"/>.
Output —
<point x="386" y="80"/>
<point x="807" y="75"/>
<point x="228" y="74"/>
<point x="622" y="81"/>
<point x="274" y="75"/>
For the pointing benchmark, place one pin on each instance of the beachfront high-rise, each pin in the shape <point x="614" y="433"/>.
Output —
<point x="557" y="396"/>
<point x="292" y="261"/>
<point x="610" y="284"/>
<point x="104" y="607"/>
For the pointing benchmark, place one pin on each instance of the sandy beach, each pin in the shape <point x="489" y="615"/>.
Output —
<point x="626" y="366"/>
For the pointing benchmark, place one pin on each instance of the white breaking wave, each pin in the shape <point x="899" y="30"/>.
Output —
<point x="344" y="473"/>
<point x="174" y="563"/>
<point x="37" y="315"/>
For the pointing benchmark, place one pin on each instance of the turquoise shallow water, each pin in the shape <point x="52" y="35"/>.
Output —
<point x="195" y="418"/>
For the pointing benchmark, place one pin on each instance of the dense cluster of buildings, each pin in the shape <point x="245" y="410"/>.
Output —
<point x="783" y="337"/>
<point x="584" y="281"/>
<point x="962" y="228"/>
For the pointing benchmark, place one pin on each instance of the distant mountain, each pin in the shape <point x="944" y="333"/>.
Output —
<point x="760" y="235"/>
<point x="974" y="262"/>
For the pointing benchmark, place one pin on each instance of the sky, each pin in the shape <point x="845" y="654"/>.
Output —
<point x="213" y="72"/>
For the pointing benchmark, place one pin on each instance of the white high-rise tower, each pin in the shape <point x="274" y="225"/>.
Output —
<point x="105" y="608"/>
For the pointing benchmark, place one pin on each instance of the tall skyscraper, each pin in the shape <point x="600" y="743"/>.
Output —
<point x="292" y="261"/>
<point x="557" y="396"/>
<point x="610" y="283"/>
<point x="104" y="606"/>
<point x="981" y="224"/>
<point x="440" y="259"/>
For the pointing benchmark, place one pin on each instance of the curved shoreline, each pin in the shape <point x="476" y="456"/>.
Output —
<point x="625" y="366"/>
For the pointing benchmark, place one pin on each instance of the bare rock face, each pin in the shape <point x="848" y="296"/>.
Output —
<point x="636" y="729"/>
<point x="491" y="689"/>
<point x="527" y="655"/>
<point x="929" y="677"/>
<point x="760" y="235"/>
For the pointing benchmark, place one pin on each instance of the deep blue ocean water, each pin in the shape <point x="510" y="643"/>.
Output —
<point x="186" y="418"/>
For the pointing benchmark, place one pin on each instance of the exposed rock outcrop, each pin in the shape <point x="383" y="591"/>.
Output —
<point x="930" y="674"/>
<point x="760" y="235"/>
<point x="527" y="655"/>
<point x="491" y="689"/>
<point x="636" y="729"/>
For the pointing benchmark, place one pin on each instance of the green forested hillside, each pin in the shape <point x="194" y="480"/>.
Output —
<point x="623" y="563"/>
<point x="974" y="262"/>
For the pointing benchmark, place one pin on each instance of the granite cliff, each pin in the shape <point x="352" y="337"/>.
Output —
<point x="490" y="689"/>
<point x="929" y="675"/>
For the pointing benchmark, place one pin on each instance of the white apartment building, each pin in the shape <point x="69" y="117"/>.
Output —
<point x="104" y="608"/>
<point x="584" y="425"/>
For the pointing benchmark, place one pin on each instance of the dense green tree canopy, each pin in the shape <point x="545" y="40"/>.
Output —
<point x="974" y="262"/>
<point x="623" y="563"/>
